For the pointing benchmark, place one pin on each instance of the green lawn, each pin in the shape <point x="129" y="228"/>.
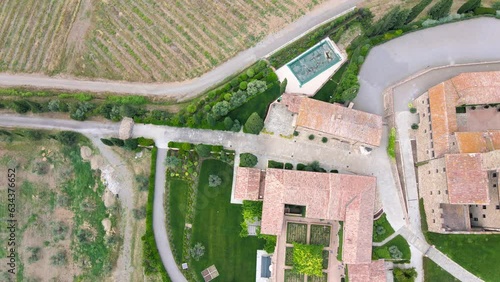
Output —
<point x="381" y="229"/>
<point x="327" y="90"/>
<point x="433" y="272"/>
<point x="178" y="198"/>
<point x="217" y="227"/>
<point x="385" y="252"/>
<point x="341" y="240"/>
<point x="479" y="254"/>
<point x="258" y="104"/>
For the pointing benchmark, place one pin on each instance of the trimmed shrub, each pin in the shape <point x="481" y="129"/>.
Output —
<point x="496" y="5"/>
<point x="289" y="166"/>
<point x="248" y="160"/>
<point x="228" y="123"/>
<point x="414" y="126"/>
<point x="469" y="6"/>
<point x="295" y="133"/>
<point x="413" y="110"/>
<point x="324" y="139"/>
<point x="441" y="9"/>
<point x="311" y="137"/>
<point x="243" y="85"/>
<point x="214" y="180"/>
<point x="250" y="72"/>
<point x="254" y="124"/>
<point x="107" y="142"/>
<point x="117" y="141"/>
<point x="131" y="144"/>
<point x="203" y="150"/>
<point x="484" y="11"/>
<point x="308" y="259"/>
<point x="416" y="10"/>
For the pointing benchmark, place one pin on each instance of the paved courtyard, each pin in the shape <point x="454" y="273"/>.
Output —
<point x="279" y="120"/>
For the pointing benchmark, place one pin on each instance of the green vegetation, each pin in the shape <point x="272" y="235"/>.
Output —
<point x="485" y="11"/>
<point x="296" y="233"/>
<point x="314" y="166"/>
<point x="291" y="276"/>
<point x="382" y="229"/>
<point x="248" y="160"/>
<point x="469" y="6"/>
<point x="416" y="10"/>
<point x="325" y="93"/>
<point x="308" y="259"/>
<point x="414" y="126"/>
<point x="341" y="240"/>
<point x="178" y="201"/>
<point x="320" y="235"/>
<point x="404" y="275"/>
<point x="311" y="137"/>
<point x="391" y="145"/>
<point x="423" y="217"/>
<point x="441" y="9"/>
<point x="275" y="164"/>
<point x="289" y="256"/>
<point x="217" y="225"/>
<point x="476" y="253"/>
<point x="324" y="139"/>
<point x="251" y="211"/>
<point x="433" y="272"/>
<point x="396" y="249"/>
<point x="254" y="124"/>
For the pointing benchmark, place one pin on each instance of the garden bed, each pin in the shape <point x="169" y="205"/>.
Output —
<point x="296" y="233"/>
<point x="382" y="229"/>
<point x="320" y="235"/>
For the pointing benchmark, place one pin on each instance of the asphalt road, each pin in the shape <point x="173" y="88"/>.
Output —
<point x="463" y="42"/>
<point x="191" y="88"/>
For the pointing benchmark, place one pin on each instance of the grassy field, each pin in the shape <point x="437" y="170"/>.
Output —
<point x="217" y="227"/>
<point x="325" y="92"/>
<point x="479" y="254"/>
<point x="135" y="40"/>
<point x="178" y="206"/>
<point x="258" y="104"/>
<point x="59" y="211"/>
<point x="433" y="272"/>
<point x="385" y="251"/>
<point x="381" y="229"/>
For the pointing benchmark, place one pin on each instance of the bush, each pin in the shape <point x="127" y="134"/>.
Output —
<point x="441" y="9"/>
<point x="248" y="160"/>
<point x="172" y="162"/>
<point x="295" y="133"/>
<point x="117" y="141"/>
<point x="250" y="72"/>
<point x="484" y="11"/>
<point x="220" y="109"/>
<point x="308" y="259"/>
<point x="131" y="144"/>
<point x="416" y="10"/>
<point x="107" y="142"/>
<point x="35" y="254"/>
<point x="275" y="164"/>
<point x="145" y="142"/>
<point x="197" y="251"/>
<point x="236" y="126"/>
<point x="324" y="139"/>
<point x="283" y="86"/>
<point x="214" y="180"/>
<point x="59" y="259"/>
<point x="289" y="166"/>
<point x="203" y="150"/>
<point x="256" y="87"/>
<point x="469" y="6"/>
<point x="414" y="126"/>
<point x="243" y="85"/>
<point x="68" y="138"/>
<point x="21" y="106"/>
<point x="143" y="182"/>
<point x="228" y="123"/>
<point x="270" y="244"/>
<point x="413" y="110"/>
<point x="254" y="124"/>
<point x="311" y="137"/>
<point x="404" y="275"/>
<point x="496" y="5"/>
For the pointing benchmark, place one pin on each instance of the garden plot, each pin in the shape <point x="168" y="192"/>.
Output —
<point x="320" y="235"/>
<point x="296" y="233"/>
<point x="290" y="276"/>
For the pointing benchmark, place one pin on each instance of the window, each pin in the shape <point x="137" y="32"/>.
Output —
<point x="423" y="115"/>
<point x="484" y="207"/>
<point x="431" y="192"/>
<point x="439" y="192"/>
<point x="429" y="172"/>
<point x="444" y="169"/>
<point x="470" y="215"/>
<point x="425" y="130"/>
<point x="432" y="154"/>
<point x="494" y="174"/>
<point x="484" y="216"/>
<point x="494" y="186"/>
<point x="437" y="170"/>
<point x="432" y="210"/>
<point x="446" y="191"/>
<point x="475" y="218"/>
<point x="498" y="207"/>
<point x="433" y="221"/>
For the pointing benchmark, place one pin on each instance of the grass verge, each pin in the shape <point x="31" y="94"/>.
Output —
<point x="178" y="206"/>
<point x="382" y="229"/>
<point x="388" y="251"/>
<point x="217" y="227"/>
<point x="433" y="272"/>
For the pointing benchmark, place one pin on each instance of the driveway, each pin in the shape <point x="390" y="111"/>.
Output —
<point x="468" y="41"/>
<point x="191" y="88"/>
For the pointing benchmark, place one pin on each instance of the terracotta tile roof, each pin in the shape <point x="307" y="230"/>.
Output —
<point x="292" y="101"/>
<point x="247" y="183"/>
<point x="443" y="118"/>
<point x="330" y="196"/>
<point x="372" y="272"/>
<point x="478" y="142"/>
<point x="477" y="88"/>
<point x="339" y="121"/>
<point x="467" y="181"/>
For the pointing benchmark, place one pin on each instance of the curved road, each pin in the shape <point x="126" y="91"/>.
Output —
<point x="189" y="89"/>
<point x="386" y="65"/>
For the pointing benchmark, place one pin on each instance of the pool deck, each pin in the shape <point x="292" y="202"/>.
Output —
<point x="313" y="84"/>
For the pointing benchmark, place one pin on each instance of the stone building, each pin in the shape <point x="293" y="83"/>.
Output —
<point x="458" y="153"/>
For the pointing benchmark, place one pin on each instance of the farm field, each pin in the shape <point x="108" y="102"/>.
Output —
<point x="143" y="40"/>
<point x="65" y="229"/>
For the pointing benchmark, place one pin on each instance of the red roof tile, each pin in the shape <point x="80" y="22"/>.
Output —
<point x="467" y="181"/>
<point x="247" y="184"/>
<point x="372" y="272"/>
